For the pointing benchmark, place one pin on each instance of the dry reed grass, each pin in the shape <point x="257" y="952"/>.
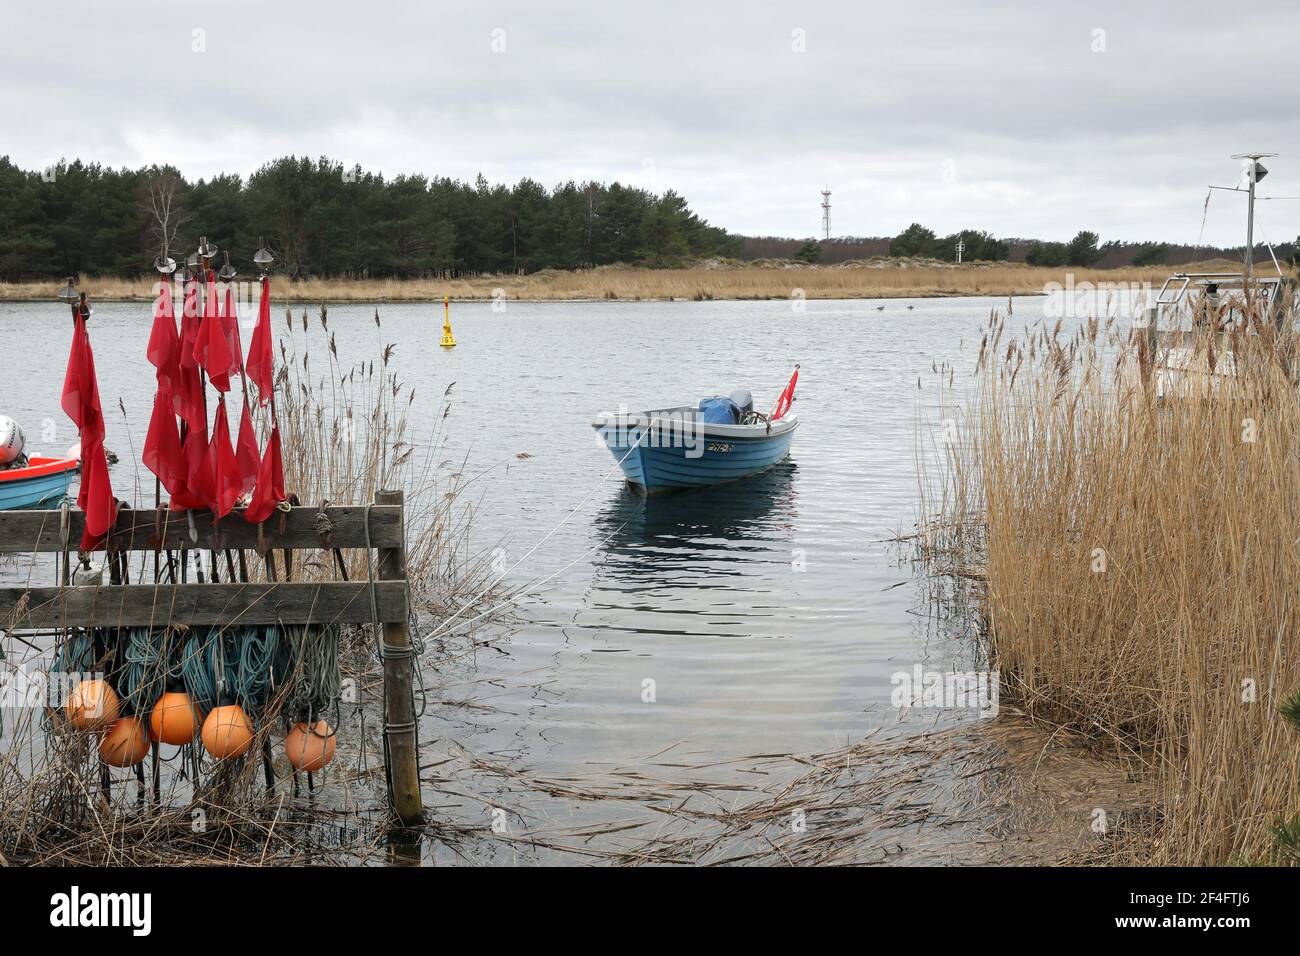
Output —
<point x="1141" y="565"/>
<point x="873" y="279"/>
<point x="348" y="434"/>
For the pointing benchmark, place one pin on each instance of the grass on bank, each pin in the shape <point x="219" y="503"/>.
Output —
<point x="1141" y="566"/>
<point x="773" y="279"/>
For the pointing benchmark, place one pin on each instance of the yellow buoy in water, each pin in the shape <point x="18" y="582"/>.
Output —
<point x="448" y="340"/>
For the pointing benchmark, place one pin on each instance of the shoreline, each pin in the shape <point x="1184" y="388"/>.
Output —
<point x="768" y="281"/>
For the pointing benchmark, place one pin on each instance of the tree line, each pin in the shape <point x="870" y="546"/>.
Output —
<point x="1084" y="250"/>
<point x="321" y="218"/>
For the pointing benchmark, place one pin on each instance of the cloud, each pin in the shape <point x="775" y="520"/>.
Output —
<point x="1019" y="118"/>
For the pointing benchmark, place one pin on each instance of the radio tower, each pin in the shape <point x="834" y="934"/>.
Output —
<point x="826" y="213"/>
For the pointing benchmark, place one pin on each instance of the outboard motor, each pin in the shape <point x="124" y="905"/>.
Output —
<point x="743" y="400"/>
<point x="718" y="411"/>
<point x="11" y="441"/>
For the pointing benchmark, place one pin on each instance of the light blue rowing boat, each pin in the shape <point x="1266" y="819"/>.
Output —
<point x="668" y="449"/>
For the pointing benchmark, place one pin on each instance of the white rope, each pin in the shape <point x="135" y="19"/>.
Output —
<point x="1268" y="245"/>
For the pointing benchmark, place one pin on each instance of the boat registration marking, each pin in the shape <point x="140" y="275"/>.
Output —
<point x="720" y="446"/>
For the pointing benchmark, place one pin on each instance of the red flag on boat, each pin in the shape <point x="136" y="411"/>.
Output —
<point x="212" y="347"/>
<point x="162" y="444"/>
<point x="261" y="359"/>
<point x="81" y="402"/>
<point x="786" y="398"/>
<point x="223" y="466"/>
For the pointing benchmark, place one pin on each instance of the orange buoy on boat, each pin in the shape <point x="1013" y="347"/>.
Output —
<point x="125" y="743"/>
<point x="309" y="748"/>
<point x="227" y="732"/>
<point x="174" y="718"/>
<point x="92" y="704"/>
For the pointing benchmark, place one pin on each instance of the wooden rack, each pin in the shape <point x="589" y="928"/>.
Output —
<point x="381" y="600"/>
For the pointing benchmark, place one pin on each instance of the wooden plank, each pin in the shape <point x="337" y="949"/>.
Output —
<point x="135" y="605"/>
<point x="38" y="531"/>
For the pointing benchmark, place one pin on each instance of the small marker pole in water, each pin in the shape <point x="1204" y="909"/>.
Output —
<point x="448" y="340"/>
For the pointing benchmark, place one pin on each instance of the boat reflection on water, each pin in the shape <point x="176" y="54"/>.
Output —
<point x="702" y="538"/>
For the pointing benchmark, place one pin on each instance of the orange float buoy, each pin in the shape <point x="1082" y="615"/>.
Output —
<point x="125" y="743"/>
<point x="311" y="748"/>
<point x="227" y="732"/>
<point x="91" y="705"/>
<point x="174" y="718"/>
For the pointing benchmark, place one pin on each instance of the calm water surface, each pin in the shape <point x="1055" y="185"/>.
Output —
<point x="698" y="591"/>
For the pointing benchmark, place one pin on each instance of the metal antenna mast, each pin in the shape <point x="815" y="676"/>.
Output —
<point x="826" y="213"/>
<point x="1254" y="173"/>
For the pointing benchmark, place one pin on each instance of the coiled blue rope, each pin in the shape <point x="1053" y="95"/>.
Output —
<point x="249" y="665"/>
<point x="198" y="667"/>
<point x="76" y="655"/>
<point x="143" y="676"/>
<point x="253" y="663"/>
<point x="245" y="658"/>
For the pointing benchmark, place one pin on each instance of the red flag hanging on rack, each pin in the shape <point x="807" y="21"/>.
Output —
<point x="270" y="481"/>
<point x="230" y="323"/>
<point x="162" y="444"/>
<point x="164" y="346"/>
<point x="81" y="402"/>
<point x="192" y="406"/>
<point x="226" y="481"/>
<point x="261" y="359"/>
<point x="246" y="452"/>
<point x="212" y="347"/>
<point x="269" y="490"/>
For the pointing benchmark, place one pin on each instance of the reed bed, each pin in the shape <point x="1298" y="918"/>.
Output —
<point x="882" y="278"/>
<point x="348" y="433"/>
<point x="1138" y="563"/>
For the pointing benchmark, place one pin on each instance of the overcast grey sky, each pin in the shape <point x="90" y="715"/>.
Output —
<point x="1026" y="119"/>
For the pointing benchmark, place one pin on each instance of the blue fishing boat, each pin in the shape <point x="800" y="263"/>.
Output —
<point x="41" y="483"/>
<point x="694" y="446"/>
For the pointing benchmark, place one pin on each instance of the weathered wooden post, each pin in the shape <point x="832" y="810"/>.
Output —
<point x="399" y="692"/>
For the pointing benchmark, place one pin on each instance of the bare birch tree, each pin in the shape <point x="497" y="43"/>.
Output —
<point x="162" y="202"/>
